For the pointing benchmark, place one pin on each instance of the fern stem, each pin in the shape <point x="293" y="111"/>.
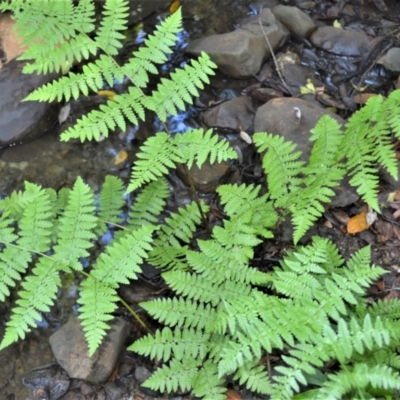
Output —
<point x="135" y="315"/>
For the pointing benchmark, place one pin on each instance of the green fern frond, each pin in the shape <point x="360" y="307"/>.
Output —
<point x="108" y="117"/>
<point x="183" y="344"/>
<point x="98" y="302"/>
<point x="155" y="50"/>
<point x="109" y="37"/>
<point x="73" y="85"/>
<point x="119" y="263"/>
<point x="156" y="156"/>
<point x="38" y="294"/>
<point x="75" y="229"/>
<point x="177" y="375"/>
<point x="181" y="225"/>
<point x="197" y="146"/>
<point x="280" y="163"/>
<point x="149" y="204"/>
<point x="254" y="376"/>
<point x="35" y="226"/>
<point x="181" y="313"/>
<point x="172" y="94"/>
<point x="358" y="379"/>
<point x="208" y="384"/>
<point x="13" y="263"/>
<point x="167" y="257"/>
<point x="111" y="202"/>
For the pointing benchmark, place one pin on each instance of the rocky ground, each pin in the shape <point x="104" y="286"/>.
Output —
<point x="323" y="70"/>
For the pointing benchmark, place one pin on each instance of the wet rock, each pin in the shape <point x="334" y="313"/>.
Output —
<point x="48" y="382"/>
<point x="392" y="60"/>
<point x="142" y="374"/>
<point x="207" y="178"/>
<point x="341" y="42"/>
<point x="242" y="52"/>
<point x="113" y="391"/>
<point x="23" y="121"/>
<point x="295" y="20"/>
<point x="70" y="349"/>
<point x="263" y="95"/>
<point x="236" y="114"/>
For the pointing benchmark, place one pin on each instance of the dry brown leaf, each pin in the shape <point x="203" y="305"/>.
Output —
<point x="233" y="395"/>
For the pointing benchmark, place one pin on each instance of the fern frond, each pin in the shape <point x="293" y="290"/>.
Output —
<point x="35" y="226"/>
<point x="183" y="344"/>
<point x="172" y="94"/>
<point x="119" y="263"/>
<point x="38" y="294"/>
<point x="359" y="378"/>
<point x="13" y="263"/>
<point x="168" y="257"/>
<point x="198" y="288"/>
<point x="181" y="313"/>
<point x="155" y="50"/>
<point x="75" y="229"/>
<point x="98" y="302"/>
<point x="280" y="163"/>
<point x="177" y="375"/>
<point x="108" y="117"/>
<point x="157" y="155"/>
<point x="111" y="202"/>
<point x="208" y="384"/>
<point x="149" y="204"/>
<point x="75" y="84"/>
<point x="181" y="225"/>
<point x="197" y="146"/>
<point x="254" y="376"/>
<point x="114" y="21"/>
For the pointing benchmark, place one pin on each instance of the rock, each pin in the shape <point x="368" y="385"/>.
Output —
<point x="242" y="52"/>
<point x="392" y="60"/>
<point x="236" y="114"/>
<point x="142" y="374"/>
<point x="10" y="43"/>
<point x="23" y="121"/>
<point x="341" y="42"/>
<point x="207" y="178"/>
<point x="47" y="382"/>
<point x="70" y="349"/>
<point x="295" y="20"/>
<point x="263" y="95"/>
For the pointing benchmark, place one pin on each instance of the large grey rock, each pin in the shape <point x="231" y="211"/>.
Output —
<point x="70" y="349"/>
<point x="23" y="121"/>
<point x="242" y="52"/>
<point x="295" y="20"/>
<point x="341" y="42"/>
